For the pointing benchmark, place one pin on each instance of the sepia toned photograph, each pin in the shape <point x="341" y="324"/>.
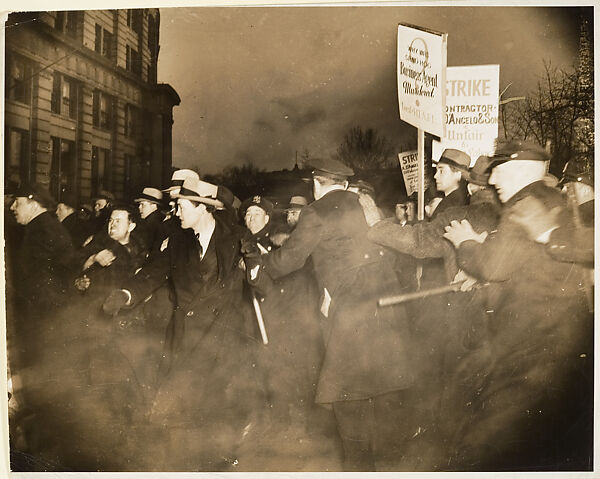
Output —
<point x="325" y="238"/>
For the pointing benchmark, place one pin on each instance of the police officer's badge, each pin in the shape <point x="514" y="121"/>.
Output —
<point x="164" y="244"/>
<point x="256" y="199"/>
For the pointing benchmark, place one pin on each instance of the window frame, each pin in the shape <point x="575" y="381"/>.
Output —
<point x="102" y="119"/>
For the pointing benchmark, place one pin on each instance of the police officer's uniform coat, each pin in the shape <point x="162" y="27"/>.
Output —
<point x="367" y="349"/>
<point x="528" y="410"/>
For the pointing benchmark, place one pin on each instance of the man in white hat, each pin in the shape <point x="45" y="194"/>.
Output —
<point x="209" y="392"/>
<point x="151" y="225"/>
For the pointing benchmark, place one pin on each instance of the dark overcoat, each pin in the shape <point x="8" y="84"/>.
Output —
<point x="44" y="262"/>
<point x="531" y="405"/>
<point x="367" y="349"/>
<point x="211" y="386"/>
<point x="151" y="230"/>
<point x="292" y="358"/>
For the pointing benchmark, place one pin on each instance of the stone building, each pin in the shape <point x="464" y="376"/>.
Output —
<point x="83" y="109"/>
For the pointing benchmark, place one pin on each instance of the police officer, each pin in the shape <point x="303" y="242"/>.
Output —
<point x="367" y="362"/>
<point x="532" y="397"/>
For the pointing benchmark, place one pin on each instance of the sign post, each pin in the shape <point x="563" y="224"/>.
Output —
<point x="422" y="59"/>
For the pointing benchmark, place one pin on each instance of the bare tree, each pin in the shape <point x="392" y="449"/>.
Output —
<point x="559" y="111"/>
<point x="244" y="180"/>
<point x="364" y="149"/>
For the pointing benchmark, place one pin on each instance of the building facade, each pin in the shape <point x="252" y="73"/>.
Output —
<point x="83" y="109"/>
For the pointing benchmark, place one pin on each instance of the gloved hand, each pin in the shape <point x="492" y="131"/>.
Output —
<point x="249" y="249"/>
<point x="115" y="302"/>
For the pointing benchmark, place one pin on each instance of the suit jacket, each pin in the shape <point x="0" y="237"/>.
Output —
<point x="367" y="349"/>
<point x="211" y="343"/>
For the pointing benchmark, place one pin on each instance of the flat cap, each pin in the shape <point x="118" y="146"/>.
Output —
<point x="520" y="150"/>
<point x="256" y="200"/>
<point x="455" y="158"/>
<point x="152" y="195"/>
<point x="36" y="192"/>
<point x="479" y="174"/>
<point x="330" y="166"/>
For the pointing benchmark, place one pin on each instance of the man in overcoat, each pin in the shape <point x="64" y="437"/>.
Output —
<point x="461" y="325"/>
<point x="531" y="410"/>
<point x="151" y="228"/>
<point x="367" y="363"/>
<point x="41" y="271"/>
<point x="208" y="400"/>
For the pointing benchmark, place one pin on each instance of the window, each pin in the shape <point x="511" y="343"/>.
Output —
<point x="16" y="153"/>
<point x="62" y="168"/>
<point x="72" y="23"/>
<point x="133" y="62"/>
<point x="67" y="22"/>
<point x="135" y="20"/>
<point x="59" y="22"/>
<point x="103" y="42"/>
<point x="102" y="110"/>
<point x="100" y="170"/>
<point x="64" y="96"/>
<point x="132" y="120"/>
<point x="18" y="79"/>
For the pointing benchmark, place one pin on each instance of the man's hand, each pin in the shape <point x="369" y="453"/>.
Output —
<point x="117" y="300"/>
<point x="105" y="257"/>
<point x="249" y="248"/>
<point x="467" y="280"/>
<point x="370" y="210"/>
<point x="82" y="283"/>
<point x="457" y="232"/>
<point x="537" y="220"/>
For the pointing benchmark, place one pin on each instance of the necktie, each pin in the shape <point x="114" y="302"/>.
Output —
<point x="200" y="252"/>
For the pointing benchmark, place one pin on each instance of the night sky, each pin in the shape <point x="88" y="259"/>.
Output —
<point x="259" y="84"/>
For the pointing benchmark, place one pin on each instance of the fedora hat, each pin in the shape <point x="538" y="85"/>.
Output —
<point x="152" y="195"/>
<point x="178" y="177"/>
<point x="197" y="190"/>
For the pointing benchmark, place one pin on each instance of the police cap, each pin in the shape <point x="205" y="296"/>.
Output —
<point x="36" y="192"/>
<point x="256" y="200"/>
<point x="330" y="167"/>
<point x="518" y="150"/>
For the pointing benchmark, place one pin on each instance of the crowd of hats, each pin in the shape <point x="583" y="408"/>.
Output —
<point x="186" y="183"/>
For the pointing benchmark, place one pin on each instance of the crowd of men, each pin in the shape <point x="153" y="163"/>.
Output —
<point x="200" y="333"/>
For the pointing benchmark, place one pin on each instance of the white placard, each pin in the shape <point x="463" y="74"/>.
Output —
<point x="421" y="73"/>
<point x="472" y="95"/>
<point x="409" y="166"/>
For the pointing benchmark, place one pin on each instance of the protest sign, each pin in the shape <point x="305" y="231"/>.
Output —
<point x="421" y="77"/>
<point x="409" y="166"/>
<point x="472" y="95"/>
